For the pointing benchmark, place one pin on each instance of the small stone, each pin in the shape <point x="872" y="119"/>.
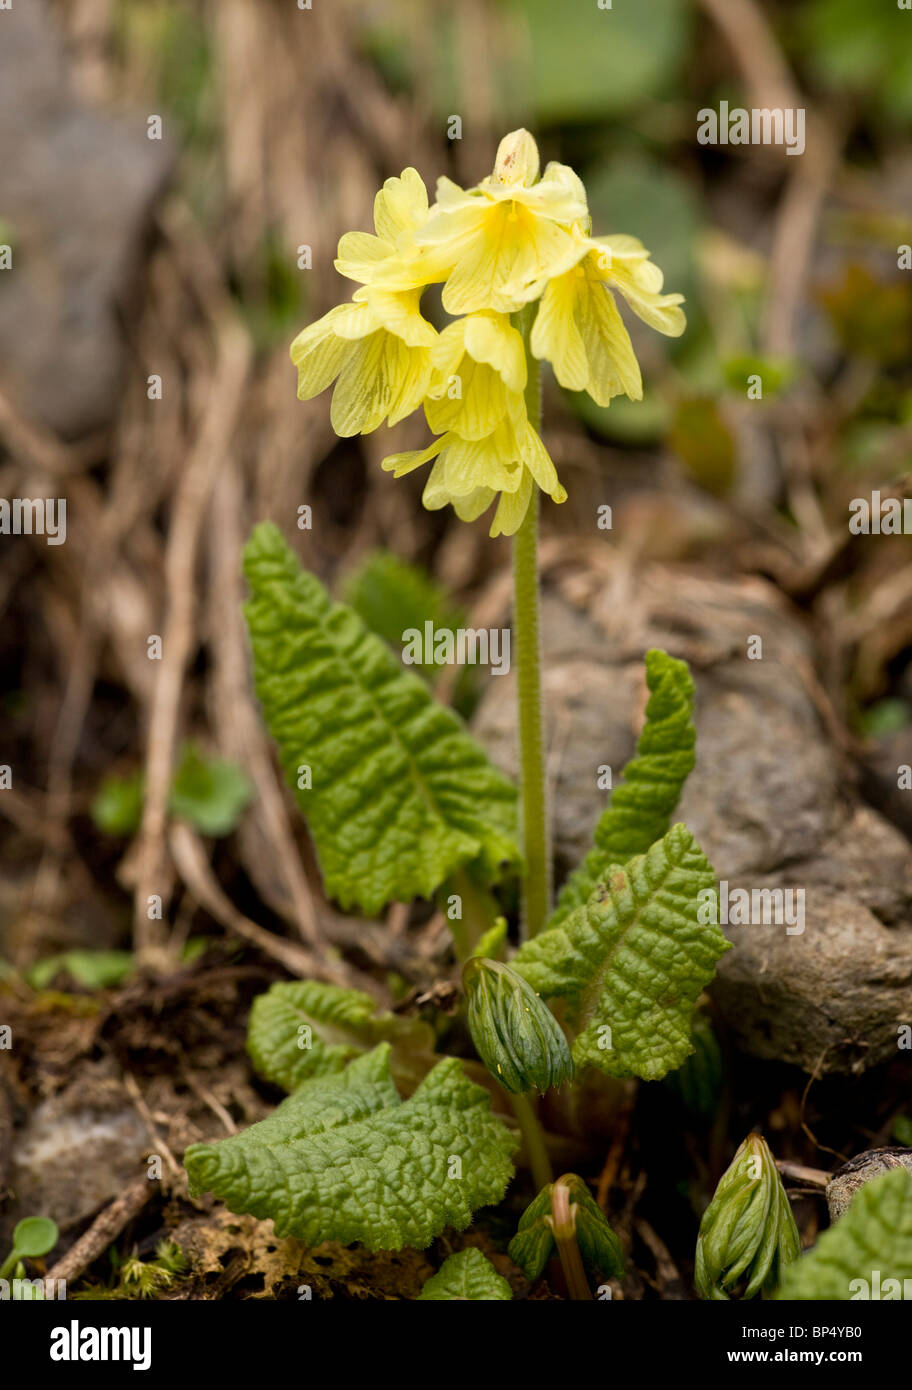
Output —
<point x="873" y="1163"/>
<point x="76" y="191"/>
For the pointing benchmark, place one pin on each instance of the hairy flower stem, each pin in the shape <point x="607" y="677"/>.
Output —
<point x="563" y="1224"/>
<point x="536" y="888"/>
<point x="533" y="1140"/>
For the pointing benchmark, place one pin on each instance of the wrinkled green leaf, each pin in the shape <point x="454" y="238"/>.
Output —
<point x="401" y="795"/>
<point x="871" y="1244"/>
<point x="632" y="961"/>
<point x="344" y="1158"/>
<point x="533" y="1245"/>
<point x="303" y="1028"/>
<point x="748" y="1233"/>
<point x="466" y="1276"/>
<point x="642" y="806"/>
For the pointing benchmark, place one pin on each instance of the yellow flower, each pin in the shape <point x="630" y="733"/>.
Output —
<point x="479" y="376"/>
<point x="379" y="347"/>
<point x="469" y="473"/>
<point x="579" y="329"/>
<point x="496" y="243"/>
<point x="391" y="259"/>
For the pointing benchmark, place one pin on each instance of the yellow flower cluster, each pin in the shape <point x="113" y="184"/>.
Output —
<point x="514" y="239"/>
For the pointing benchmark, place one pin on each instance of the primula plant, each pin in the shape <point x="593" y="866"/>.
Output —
<point x="381" y="1139"/>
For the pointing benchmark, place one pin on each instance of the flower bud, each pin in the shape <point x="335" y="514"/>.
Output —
<point x="515" y="1033"/>
<point x="748" y="1232"/>
<point x="517" y="160"/>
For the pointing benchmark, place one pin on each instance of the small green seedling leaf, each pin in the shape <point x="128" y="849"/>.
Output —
<point x="345" y="1158"/>
<point x="632" y="962"/>
<point x="303" y="1028"/>
<point x="642" y="806"/>
<point x="535" y="1242"/>
<point x="866" y="1255"/>
<point x="748" y="1233"/>
<point x="210" y="793"/>
<point x="118" y="804"/>
<point x="464" y="1277"/>
<point x="396" y="793"/>
<point x="33" y="1237"/>
<point x="91" y="969"/>
<point x="515" y="1033"/>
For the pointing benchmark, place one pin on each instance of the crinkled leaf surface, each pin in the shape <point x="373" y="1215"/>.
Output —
<point x="401" y="795"/>
<point x="631" y="962"/>
<point x="466" y="1276"/>
<point x="533" y="1244"/>
<point x="642" y="806"/>
<point x="344" y="1158"/>
<point x="874" y="1234"/>
<point x="304" y="1028"/>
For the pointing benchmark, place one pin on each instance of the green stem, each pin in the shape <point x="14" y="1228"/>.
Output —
<point x="536" y="896"/>
<point x="533" y="1141"/>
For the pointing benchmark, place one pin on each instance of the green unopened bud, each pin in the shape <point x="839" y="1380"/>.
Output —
<point x="517" y="160"/>
<point x="516" y="1035"/>
<point x="748" y="1233"/>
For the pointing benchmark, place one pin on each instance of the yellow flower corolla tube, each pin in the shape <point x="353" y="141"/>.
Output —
<point x="579" y="329"/>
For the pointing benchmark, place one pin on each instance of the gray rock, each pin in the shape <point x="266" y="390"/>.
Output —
<point x="769" y="802"/>
<point x="76" y="190"/>
<point x="872" y="1164"/>
<point x="76" y="1151"/>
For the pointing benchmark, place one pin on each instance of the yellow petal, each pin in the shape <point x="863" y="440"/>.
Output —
<point x="477" y="409"/>
<point x="538" y="462"/>
<point x="398" y="312"/>
<point x="400" y="464"/>
<point x="491" y="338"/>
<point x="556" y="337"/>
<point x="511" y="250"/>
<point x="401" y="206"/>
<point x="613" y="368"/>
<point x="492" y="462"/>
<point x="660" y="311"/>
<point x="512" y="508"/>
<point x="319" y="354"/>
<point x="381" y="377"/>
<point x="360" y="255"/>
